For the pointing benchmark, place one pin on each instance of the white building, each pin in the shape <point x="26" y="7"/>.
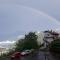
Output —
<point x="40" y="37"/>
<point x="46" y="37"/>
<point x="49" y="36"/>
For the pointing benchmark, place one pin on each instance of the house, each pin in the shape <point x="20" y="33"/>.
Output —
<point x="49" y="36"/>
<point x="3" y="50"/>
<point x="40" y="37"/>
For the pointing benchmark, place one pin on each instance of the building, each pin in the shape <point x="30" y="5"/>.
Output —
<point x="40" y="37"/>
<point x="3" y="50"/>
<point x="49" y="36"/>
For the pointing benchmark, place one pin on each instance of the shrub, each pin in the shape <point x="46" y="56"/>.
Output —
<point x="55" y="46"/>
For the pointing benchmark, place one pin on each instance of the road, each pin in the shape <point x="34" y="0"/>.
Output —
<point x="38" y="55"/>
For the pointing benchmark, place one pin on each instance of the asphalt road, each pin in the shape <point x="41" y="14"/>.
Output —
<point x="38" y="55"/>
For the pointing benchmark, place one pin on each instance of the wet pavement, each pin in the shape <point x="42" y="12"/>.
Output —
<point x="40" y="55"/>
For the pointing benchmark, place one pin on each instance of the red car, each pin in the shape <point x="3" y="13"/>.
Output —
<point x="15" y="56"/>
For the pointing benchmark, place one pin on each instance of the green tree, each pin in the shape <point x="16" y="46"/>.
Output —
<point x="19" y="46"/>
<point x="55" y="46"/>
<point x="29" y="42"/>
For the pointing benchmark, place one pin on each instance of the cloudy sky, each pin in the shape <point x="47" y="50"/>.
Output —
<point x="20" y="16"/>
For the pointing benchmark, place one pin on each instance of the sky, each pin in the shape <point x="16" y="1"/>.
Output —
<point x="20" y="16"/>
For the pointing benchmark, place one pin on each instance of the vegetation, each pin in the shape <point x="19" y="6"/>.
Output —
<point x="19" y="45"/>
<point x="6" y="56"/>
<point x="29" y="42"/>
<point x="55" y="46"/>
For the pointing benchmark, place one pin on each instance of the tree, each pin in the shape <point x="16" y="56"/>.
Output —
<point x="29" y="42"/>
<point x="55" y="46"/>
<point x="19" y="46"/>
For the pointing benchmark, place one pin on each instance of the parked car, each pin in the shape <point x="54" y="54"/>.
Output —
<point x="15" y="55"/>
<point x="32" y="50"/>
<point x="26" y="52"/>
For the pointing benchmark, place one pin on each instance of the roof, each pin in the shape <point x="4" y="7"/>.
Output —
<point x="51" y="32"/>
